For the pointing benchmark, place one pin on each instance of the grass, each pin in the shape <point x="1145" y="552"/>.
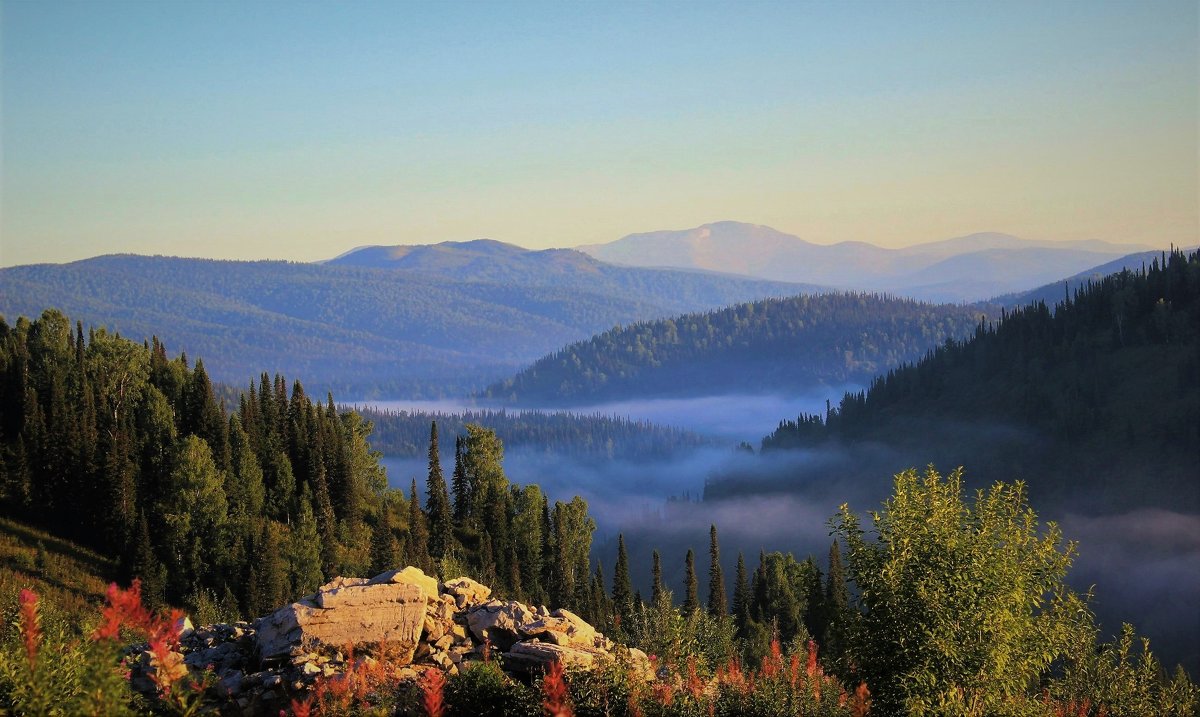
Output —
<point x="67" y="576"/>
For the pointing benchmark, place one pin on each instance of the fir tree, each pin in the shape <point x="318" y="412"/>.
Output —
<point x="144" y="564"/>
<point x="418" y="533"/>
<point x="437" y="501"/>
<point x="462" y="491"/>
<point x="385" y="548"/>
<point x="656" y="587"/>
<point x="717" y="605"/>
<point x="741" y="596"/>
<point x="622" y="592"/>
<point x="691" y="603"/>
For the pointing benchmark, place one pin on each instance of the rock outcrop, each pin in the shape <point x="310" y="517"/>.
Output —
<point x="403" y="616"/>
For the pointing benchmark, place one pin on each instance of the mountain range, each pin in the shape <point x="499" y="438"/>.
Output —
<point x="969" y="268"/>
<point x="408" y="321"/>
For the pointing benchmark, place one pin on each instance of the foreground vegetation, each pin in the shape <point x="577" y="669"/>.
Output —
<point x="960" y="609"/>
<point x="946" y="603"/>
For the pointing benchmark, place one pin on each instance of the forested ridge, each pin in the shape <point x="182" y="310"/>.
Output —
<point x="127" y="451"/>
<point x="444" y="329"/>
<point x="1107" y="384"/>
<point x="255" y="506"/>
<point x="770" y="346"/>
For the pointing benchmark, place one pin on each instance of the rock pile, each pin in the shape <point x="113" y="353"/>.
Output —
<point x="403" y="616"/>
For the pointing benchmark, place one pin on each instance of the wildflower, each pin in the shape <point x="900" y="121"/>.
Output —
<point x="433" y="683"/>
<point x="554" y="692"/>
<point x="31" y="626"/>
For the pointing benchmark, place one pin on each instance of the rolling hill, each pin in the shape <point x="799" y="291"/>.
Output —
<point x="771" y="346"/>
<point x="441" y="326"/>
<point x="969" y="268"/>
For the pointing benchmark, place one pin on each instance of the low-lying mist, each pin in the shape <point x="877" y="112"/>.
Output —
<point x="1143" y="564"/>
<point x="735" y="418"/>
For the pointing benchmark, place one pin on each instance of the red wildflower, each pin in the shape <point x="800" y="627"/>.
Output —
<point x="433" y="683"/>
<point x="31" y="625"/>
<point x="554" y="692"/>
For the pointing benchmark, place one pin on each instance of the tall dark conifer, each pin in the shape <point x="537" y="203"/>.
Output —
<point x="418" y="532"/>
<point x="741" y="596"/>
<point x="462" y="488"/>
<point x="437" y="501"/>
<point x="656" y="587"/>
<point x="691" y="601"/>
<point x="717" y="601"/>
<point x="622" y="592"/>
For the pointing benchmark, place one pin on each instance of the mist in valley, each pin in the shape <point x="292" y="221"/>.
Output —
<point x="1142" y="565"/>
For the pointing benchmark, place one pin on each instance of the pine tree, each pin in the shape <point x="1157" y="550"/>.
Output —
<point x="656" y="587"/>
<point x="418" y="533"/>
<point x="622" y="592"/>
<point x="691" y="602"/>
<point x="267" y="586"/>
<point x="717" y="602"/>
<point x="385" y="548"/>
<point x="741" y="597"/>
<point x="304" y="548"/>
<point x="462" y="491"/>
<point x="437" y="501"/>
<point x="144" y="564"/>
<point x="837" y="607"/>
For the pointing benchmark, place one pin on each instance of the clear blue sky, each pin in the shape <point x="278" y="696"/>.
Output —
<point x="300" y="130"/>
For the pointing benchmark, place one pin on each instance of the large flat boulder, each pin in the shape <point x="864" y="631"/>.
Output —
<point x="355" y="614"/>
<point x="413" y="575"/>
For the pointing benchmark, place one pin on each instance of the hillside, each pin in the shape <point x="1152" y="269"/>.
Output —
<point x="771" y="346"/>
<point x="1056" y="292"/>
<point x="433" y="328"/>
<point x="1097" y="403"/>
<point x="969" y="268"/>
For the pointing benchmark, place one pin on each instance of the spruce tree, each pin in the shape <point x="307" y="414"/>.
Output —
<point x="437" y="501"/>
<point x="837" y="607"/>
<point x="144" y="564"/>
<point x="304" y="548"/>
<point x="622" y="592"/>
<point x="418" y="533"/>
<point x="385" y="548"/>
<point x="717" y="602"/>
<point x="691" y="603"/>
<point x="741" y="597"/>
<point x="656" y="587"/>
<point x="462" y="490"/>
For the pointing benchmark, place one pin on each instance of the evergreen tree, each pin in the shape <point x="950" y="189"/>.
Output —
<point x="418" y="533"/>
<point x="741" y="597"/>
<point x="437" y="501"/>
<point x="144" y="564"/>
<point x="656" y="587"/>
<point x="462" y="491"/>
<point x="717" y="605"/>
<point x="304" y="548"/>
<point x="267" y="586"/>
<point x="598" y="613"/>
<point x="622" y="592"/>
<point x="385" y="547"/>
<point x="837" y="607"/>
<point x="691" y="603"/>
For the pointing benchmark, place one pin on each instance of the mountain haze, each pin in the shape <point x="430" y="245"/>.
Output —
<point x="450" y="319"/>
<point x="968" y="268"/>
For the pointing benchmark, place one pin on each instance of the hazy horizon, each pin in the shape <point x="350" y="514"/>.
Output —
<point x="265" y="131"/>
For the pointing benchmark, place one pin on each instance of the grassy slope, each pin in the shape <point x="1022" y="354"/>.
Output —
<point x="70" y="579"/>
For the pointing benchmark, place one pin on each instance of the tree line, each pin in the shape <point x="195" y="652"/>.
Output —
<point x="232" y="513"/>
<point x="764" y="346"/>
<point x="589" y="437"/>
<point x="1107" y="381"/>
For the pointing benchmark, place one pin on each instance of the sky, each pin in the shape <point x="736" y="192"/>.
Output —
<point x="251" y="130"/>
